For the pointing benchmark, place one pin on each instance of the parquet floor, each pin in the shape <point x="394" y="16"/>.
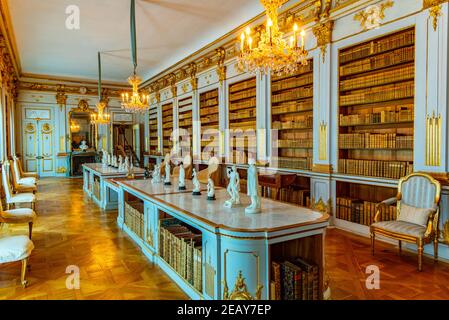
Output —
<point x="71" y="230"/>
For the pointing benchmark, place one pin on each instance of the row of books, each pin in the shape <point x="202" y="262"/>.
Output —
<point x="396" y="57"/>
<point x="363" y="212"/>
<point x="181" y="248"/>
<point x="375" y="168"/>
<point x="379" y="94"/>
<point x="243" y="114"/>
<point x="244" y="125"/>
<point x="185" y="115"/>
<point x="304" y="124"/>
<point x="404" y="115"/>
<point x="300" y="197"/>
<point x="297" y="93"/>
<point x="250" y="103"/>
<point x="403" y="38"/>
<point x="210" y="118"/>
<point x="294" y="163"/>
<point x="209" y="95"/>
<point x="302" y="143"/>
<point x="186" y="123"/>
<point x="375" y="141"/>
<point x="208" y="110"/>
<point x="295" y="279"/>
<point x="292" y="106"/>
<point x="250" y="93"/>
<point x="294" y="152"/>
<point x="379" y="78"/>
<point x="246" y="84"/>
<point x="209" y="103"/>
<point x="292" y="82"/>
<point x="134" y="219"/>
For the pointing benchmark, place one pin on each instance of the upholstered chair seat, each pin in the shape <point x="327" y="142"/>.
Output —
<point x="16" y="248"/>
<point x="18" y="216"/>
<point x="23" y="198"/>
<point x="417" y="214"/>
<point x="27" y="181"/>
<point x="402" y="227"/>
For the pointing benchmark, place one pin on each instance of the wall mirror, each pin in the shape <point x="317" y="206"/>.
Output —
<point x="82" y="134"/>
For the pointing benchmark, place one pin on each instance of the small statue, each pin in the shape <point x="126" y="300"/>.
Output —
<point x="114" y="162"/>
<point x="156" y="174"/>
<point x="182" y="177"/>
<point x="196" y="184"/>
<point x="109" y="160"/>
<point x="253" y="188"/>
<point x="126" y="166"/>
<point x="167" y="181"/>
<point x="120" y="163"/>
<point x="104" y="158"/>
<point x="130" y="170"/>
<point x="146" y="174"/>
<point x="84" y="146"/>
<point x="210" y="189"/>
<point x="233" y="188"/>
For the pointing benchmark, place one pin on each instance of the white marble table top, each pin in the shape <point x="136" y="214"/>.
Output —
<point x="110" y="171"/>
<point x="275" y="215"/>
<point x="145" y="187"/>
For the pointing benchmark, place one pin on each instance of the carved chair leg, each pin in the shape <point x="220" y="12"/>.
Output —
<point x="420" y="254"/>
<point x="23" y="273"/>
<point x="30" y="229"/>
<point x="435" y="249"/>
<point x="33" y="206"/>
<point x="373" y="239"/>
<point x="400" y="247"/>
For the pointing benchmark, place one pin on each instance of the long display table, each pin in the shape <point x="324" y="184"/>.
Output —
<point x="213" y="252"/>
<point x="95" y="186"/>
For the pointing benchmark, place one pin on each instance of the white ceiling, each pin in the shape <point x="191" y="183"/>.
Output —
<point x="168" y="31"/>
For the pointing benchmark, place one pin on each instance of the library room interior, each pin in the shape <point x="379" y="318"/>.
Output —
<point x="224" y="150"/>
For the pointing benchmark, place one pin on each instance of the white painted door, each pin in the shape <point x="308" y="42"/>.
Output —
<point x="38" y="138"/>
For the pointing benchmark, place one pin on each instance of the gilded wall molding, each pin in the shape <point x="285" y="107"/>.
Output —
<point x="323" y="34"/>
<point x="434" y="7"/>
<point x="372" y="16"/>
<point x="221" y="68"/>
<point x="322" y="152"/>
<point x="433" y="140"/>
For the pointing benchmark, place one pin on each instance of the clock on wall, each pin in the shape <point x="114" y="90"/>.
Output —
<point x="83" y="90"/>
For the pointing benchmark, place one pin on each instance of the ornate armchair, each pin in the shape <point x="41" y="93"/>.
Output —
<point x="417" y="214"/>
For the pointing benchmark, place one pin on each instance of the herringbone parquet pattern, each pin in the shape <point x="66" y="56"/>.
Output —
<point x="71" y="230"/>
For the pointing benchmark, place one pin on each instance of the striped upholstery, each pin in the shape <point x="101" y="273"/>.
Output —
<point x="401" y="227"/>
<point x="418" y="192"/>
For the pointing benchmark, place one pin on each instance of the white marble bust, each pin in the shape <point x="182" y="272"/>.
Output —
<point x="156" y="176"/>
<point x="84" y="146"/>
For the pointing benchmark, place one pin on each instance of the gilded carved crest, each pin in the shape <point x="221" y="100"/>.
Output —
<point x="83" y="106"/>
<point x="372" y="16"/>
<point x="240" y="291"/>
<point x="323" y="34"/>
<point x="434" y="7"/>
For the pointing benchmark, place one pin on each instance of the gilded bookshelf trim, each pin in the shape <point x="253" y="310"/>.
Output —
<point x="372" y="16"/>
<point x="434" y="7"/>
<point x="433" y="140"/>
<point x="323" y="141"/>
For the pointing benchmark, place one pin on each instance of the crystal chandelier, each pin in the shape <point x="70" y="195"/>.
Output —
<point x="135" y="103"/>
<point x="100" y="117"/>
<point x="273" y="53"/>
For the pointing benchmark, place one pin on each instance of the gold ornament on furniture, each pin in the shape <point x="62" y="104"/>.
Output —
<point x="372" y="16"/>
<point x="240" y="291"/>
<point x="434" y="7"/>
<point x="433" y="140"/>
<point x="323" y="34"/>
<point x="323" y="141"/>
<point x="446" y="232"/>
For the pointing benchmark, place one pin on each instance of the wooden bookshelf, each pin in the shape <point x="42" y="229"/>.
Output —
<point x="185" y="122"/>
<point x="376" y="87"/>
<point x="209" y="117"/>
<point x="167" y="127"/>
<point x="356" y="203"/>
<point x="292" y="117"/>
<point x="154" y="134"/>
<point x="242" y="120"/>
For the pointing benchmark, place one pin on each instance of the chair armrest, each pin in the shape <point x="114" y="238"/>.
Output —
<point x="387" y="202"/>
<point x="432" y="224"/>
